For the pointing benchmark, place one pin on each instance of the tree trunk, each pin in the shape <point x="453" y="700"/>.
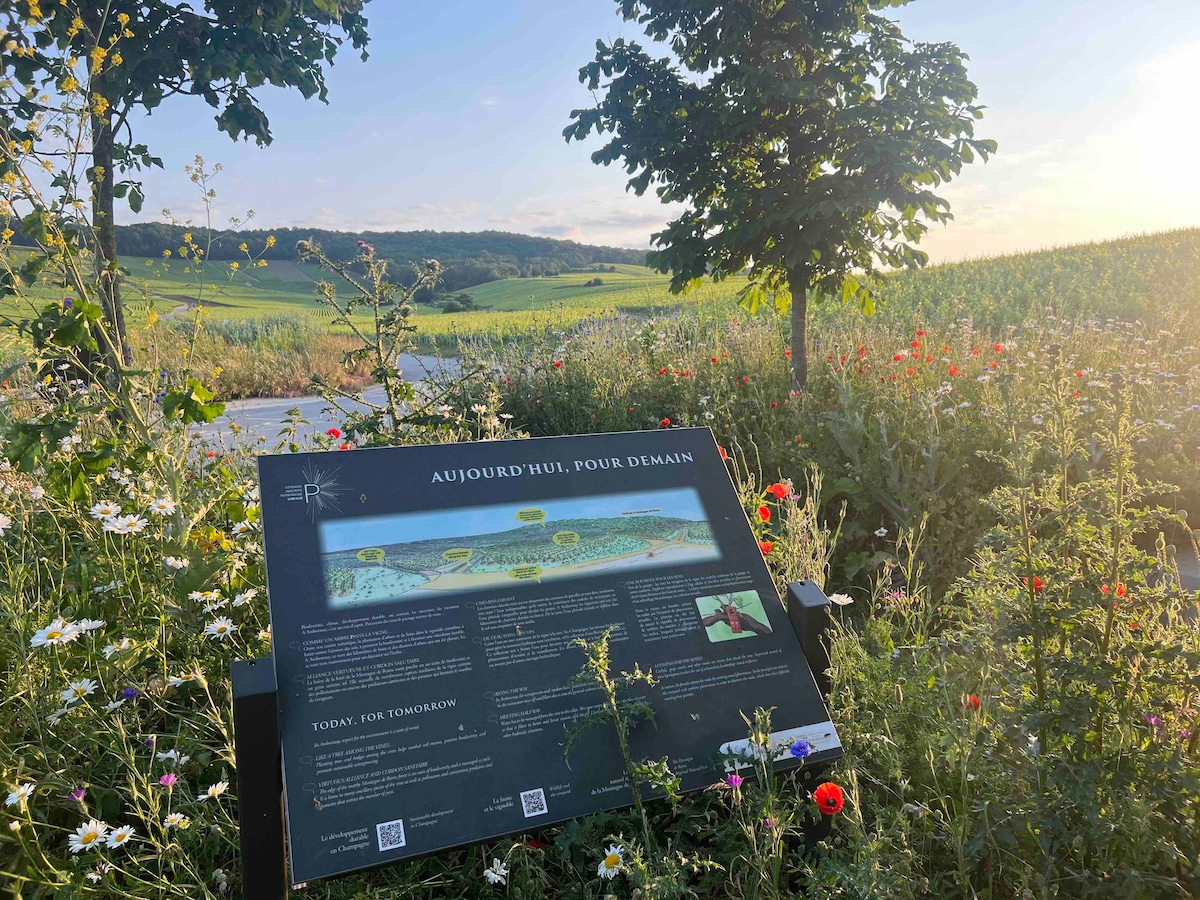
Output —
<point x="798" y="284"/>
<point x="106" y="236"/>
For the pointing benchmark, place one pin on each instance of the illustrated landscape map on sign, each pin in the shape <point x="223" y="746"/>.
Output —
<point x="415" y="555"/>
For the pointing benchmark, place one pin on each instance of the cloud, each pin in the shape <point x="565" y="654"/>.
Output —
<point x="571" y="232"/>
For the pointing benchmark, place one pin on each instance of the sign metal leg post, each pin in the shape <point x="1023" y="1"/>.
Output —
<point x="808" y="608"/>
<point x="259" y="780"/>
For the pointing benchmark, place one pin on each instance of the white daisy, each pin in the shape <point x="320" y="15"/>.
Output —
<point x="5" y="523"/>
<point x="67" y="443"/>
<point x="20" y="795"/>
<point x="89" y="624"/>
<point x="203" y="596"/>
<point x="495" y="872"/>
<point x="88" y="836"/>
<point x="610" y="866"/>
<point x="265" y="634"/>
<point x="245" y="597"/>
<point x="214" y="791"/>
<point x="173" y="756"/>
<point x="119" y="836"/>
<point x="841" y="599"/>
<point x="105" y="509"/>
<point x="881" y="532"/>
<point x="57" y="715"/>
<point x="241" y="527"/>
<point x="111" y="650"/>
<point x="77" y="690"/>
<point x="163" y="506"/>
<point x="37" y="492"/>
<point x="215" y="605"/>
<point x="130" y="524"/>
<point x="176" y="820"/>
<point x="60" y="631"/>
<point x="180" y="680"/>
<point x="114" y="704"/>
<point x="174" y="562"/>
<point x="220" y="628"/>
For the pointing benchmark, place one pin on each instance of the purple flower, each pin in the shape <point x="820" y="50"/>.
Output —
<point x="77" y="795"/>
<point x="800" y="749"/>
<point x="68" y="302"/>
<point x="734" y="781"/>
<point x="770" y="823"/>
<point x="169" y="779"/>
<point x="1153" y="721"/>
<point x="129" y="693"/>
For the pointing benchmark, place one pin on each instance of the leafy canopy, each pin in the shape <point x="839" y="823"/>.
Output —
<point x="805" y="137"/>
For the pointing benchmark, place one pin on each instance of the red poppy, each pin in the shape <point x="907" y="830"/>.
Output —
<point x="345" y="446"/>
<point x="773" y="404"/>
<point x="862" y="352"/>
<point x="1038" y="584"/>
<point x="662" y="371"/>
<point x="764" y="513"/>
<point x="778" y="490"/>
<point x="1104" y="589"/>
<point x="631" y="409"/>
<point x="714" y="360"/>
<point x="954" y="370"/>
<point x="536" y="844"/>
<point x="334" y="433"/>
<point x="910" y="371"/>
<point x="897" y="357"/>
<point x="929" y="358"/>
<point x="558" y="364"/>
<point x="665" y="423"/>
<point x="999" y="348"/>
<point x="212" y="454"/>
<point x="971" y="703"/>
<point x="724" y="453"/>
<point x="916" y="344"/>
<point x="787" y="352"/>
<point x="745" y="379"/>
<point x="921" y="332"/>
<point x="945" y="348"/>
<point x="766" y="547"/>
<point x="975" y="352"/>
<point x="1079" y="373"/>
<point x="830" y="798"/>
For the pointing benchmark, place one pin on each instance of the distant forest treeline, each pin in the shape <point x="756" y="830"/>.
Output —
<point x="469" y="258"/>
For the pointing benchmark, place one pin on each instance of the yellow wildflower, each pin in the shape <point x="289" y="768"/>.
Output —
<point x="69" y="84"/>
<point x="98" y="55"/>
<point x="187" y="237"/>
<point x="262" y="263"/>
<point x="117" y="59"/>
<point x="243" y="247"/>
<point x="99" y="105"/>
<point x="234" y="266"/>
<point x="6" y="234"/>
<point x="270" y="241"/>
<point x="166" y="253"/>
<point x="123" y="18"/>
<point x="127" y="33"/>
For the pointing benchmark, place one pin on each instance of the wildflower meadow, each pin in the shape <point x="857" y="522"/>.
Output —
<point x="995" y="478"/>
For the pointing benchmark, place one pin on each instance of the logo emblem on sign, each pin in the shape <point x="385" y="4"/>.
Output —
<point x="320" y="491"/>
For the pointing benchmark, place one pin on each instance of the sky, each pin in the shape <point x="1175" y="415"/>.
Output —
<point x="454" y="124"/>
<point x="374" y="531"/>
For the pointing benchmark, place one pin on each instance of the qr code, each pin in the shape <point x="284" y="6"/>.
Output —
<point x="533" y="803"/>
<point x="391" y="834"/>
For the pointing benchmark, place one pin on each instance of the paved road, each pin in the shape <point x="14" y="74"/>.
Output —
<point x="264" y="416"/>
<point x="1189" y="566"/>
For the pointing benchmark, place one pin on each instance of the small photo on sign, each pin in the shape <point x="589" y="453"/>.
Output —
<point x="418" y="556"/>
<point x="728" y="617"/>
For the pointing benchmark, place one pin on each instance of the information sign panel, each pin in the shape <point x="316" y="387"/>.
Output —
<point x="424" y="601"/>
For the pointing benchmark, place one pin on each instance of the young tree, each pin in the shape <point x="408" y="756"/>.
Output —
<point x="804" y="136"/>
<point x="131" y="54"/>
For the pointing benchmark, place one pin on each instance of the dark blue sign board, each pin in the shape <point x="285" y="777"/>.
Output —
<point x="424" y="604"/>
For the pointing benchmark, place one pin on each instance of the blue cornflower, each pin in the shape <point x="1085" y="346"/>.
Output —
<point x="801" y="749"/>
